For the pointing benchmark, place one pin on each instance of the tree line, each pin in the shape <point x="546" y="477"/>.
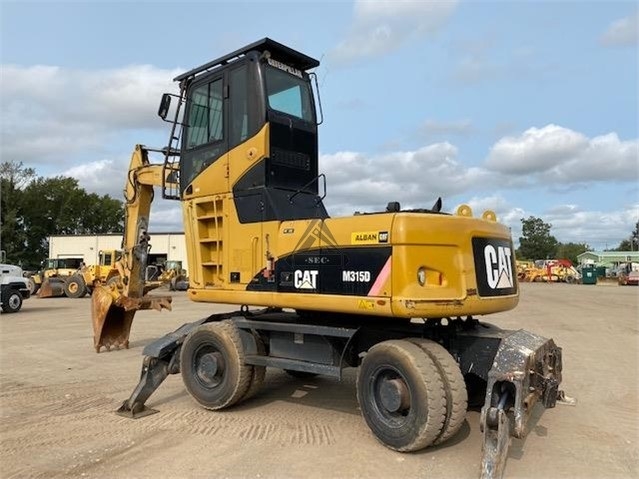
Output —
<point x="33" y="208"/>
<point x="536" y="242"/>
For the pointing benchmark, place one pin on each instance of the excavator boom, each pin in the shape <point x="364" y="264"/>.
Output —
<point x="114" y="305"/>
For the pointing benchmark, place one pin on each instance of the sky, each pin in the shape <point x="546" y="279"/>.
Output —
<point x="526" y="108"/>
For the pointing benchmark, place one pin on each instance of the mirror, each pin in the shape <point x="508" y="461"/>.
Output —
<point x="163" y="111"/>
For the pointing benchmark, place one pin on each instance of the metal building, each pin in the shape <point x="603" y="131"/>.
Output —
<point x="164" y="246"/>
<point x="612" y="258"/>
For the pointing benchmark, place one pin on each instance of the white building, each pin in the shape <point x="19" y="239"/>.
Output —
<point x="164" y="246"/>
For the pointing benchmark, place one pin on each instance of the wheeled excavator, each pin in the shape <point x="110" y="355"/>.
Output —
<point x="395" y="293"/>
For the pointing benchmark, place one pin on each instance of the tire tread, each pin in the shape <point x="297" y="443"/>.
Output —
<point x="454" y="384"/>
<point x="229" y="335"/>
<point x="428" y="372"/>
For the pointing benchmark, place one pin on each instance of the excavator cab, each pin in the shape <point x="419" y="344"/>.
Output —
<point x="261" y="94"/>
<point x="231" y="100"/>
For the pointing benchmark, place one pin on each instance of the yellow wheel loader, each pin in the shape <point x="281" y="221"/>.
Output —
<point x="49" y="281"/>
<point x="86" y="278"/>
<point x="395" y="293"/>
<point x="170" y="273"/>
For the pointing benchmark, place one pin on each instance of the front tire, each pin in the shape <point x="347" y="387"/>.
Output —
<point x="12" y="303"/>
<point x="74" y="287"/>
<point x="401" y="395"/>
<point x="212" y="365"/>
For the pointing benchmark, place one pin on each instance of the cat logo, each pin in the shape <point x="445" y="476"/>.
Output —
<point x="498" y="262"/>
<point x="305" y="279"/>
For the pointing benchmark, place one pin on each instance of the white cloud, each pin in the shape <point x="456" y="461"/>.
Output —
<point x="621" y="32"/>
<point x="51" y="111"/>
<point x="380" y="27"/>
<point x="496" y="202"/>
<point x="599" y="229"/>
<point x="414" y="178"/>
<point x="166" y="215"/>
<point x="104" y="177"/>
<point x="569" y="222"/>
<point x="556" y="155"/>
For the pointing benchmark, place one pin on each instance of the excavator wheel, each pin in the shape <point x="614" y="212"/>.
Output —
<point x="212" y="365"/>
<point x="74" y="287"/>
<point x="401" y="394"/>
<point x="454" y="386"/>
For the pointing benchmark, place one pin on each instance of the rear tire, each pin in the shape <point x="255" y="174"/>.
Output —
<point x="212" y="365"/>
<point x="401" y="395"/>
<point x="74" y="287"/>
<point x="454" y="385"/>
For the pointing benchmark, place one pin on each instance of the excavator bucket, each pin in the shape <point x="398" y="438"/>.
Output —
<point x="112" y="315"/>
<point x="51" y="288"/>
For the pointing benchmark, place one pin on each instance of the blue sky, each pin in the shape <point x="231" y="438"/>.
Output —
<point x="527" y="108"/>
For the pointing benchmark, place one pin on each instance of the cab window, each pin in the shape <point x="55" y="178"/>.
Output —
<point x="289" y="94"/>
<point x="205" y="119"/>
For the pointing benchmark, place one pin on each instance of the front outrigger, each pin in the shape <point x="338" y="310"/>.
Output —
<point x="335" y="292"/>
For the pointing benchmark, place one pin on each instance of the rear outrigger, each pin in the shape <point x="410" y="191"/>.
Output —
<point x="335" y="292"/>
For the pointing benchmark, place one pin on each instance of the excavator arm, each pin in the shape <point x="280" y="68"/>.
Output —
<point x="114" y="305"/>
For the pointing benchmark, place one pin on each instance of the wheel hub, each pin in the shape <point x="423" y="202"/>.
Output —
<point x="393" y="395"/>
<point x="210" y="367"/>
<point x="14" y="301"/>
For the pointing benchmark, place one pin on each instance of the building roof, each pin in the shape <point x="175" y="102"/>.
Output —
<point x="610" y="255"/>
<point x="152" y="233"/>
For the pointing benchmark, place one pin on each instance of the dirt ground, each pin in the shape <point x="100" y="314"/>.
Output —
<point x="57" y="402"/>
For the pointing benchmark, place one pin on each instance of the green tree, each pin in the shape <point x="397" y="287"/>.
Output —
<point x="51" y="206"/>
<point x="536" y="242"/>
<point x="571" y="250"/>
<point x="13" y="177"/>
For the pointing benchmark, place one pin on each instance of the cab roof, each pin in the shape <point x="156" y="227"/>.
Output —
<point x="279" y="51"/>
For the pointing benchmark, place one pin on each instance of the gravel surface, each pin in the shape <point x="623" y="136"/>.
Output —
<point x="58" y="397"/>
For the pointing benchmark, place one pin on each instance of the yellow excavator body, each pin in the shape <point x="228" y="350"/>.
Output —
<point x="256" y="229"/>
<point x="337" y="292"/>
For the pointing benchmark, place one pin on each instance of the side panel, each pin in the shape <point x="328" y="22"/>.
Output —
<point x="451" y="251"/>
<point x="394" y="264"/>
